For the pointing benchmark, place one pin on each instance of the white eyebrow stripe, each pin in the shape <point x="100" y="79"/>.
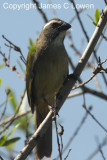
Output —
<point x="49" y="23"/>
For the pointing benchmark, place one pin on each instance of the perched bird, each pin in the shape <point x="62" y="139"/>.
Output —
<point x="47" y="68"/>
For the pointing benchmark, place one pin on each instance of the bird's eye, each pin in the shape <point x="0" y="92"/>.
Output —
<point x="55" y="25"/>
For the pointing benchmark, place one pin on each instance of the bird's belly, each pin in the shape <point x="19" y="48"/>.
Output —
<point x="50" y="76"/>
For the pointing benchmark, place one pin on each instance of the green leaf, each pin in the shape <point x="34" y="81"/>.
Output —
<point x="30" y="42"/>
<point x="0" y="82"/>
<point x="5" y="141"/>
<point x="13" y="130"/>
<point x="12" y="99"/>
<point x="20" y="65"/>
<point x="92" y="19"/>
<point x="2" y="65"/>
<point x="97" y="15"/>
<point x="32" y="45"/>
<point x="2" y="140"/>
<point x="11" y="141"/>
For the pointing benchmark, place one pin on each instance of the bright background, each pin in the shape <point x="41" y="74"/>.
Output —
<point x="19" y="26"/>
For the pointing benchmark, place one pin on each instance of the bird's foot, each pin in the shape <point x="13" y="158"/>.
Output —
<point x="53" y="109"/>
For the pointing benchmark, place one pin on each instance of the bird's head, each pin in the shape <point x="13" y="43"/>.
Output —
<point x="55" y="29"/>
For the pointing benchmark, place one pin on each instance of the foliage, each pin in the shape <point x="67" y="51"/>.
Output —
<point x="5" y="139"/>
<point x="96" y="16"/>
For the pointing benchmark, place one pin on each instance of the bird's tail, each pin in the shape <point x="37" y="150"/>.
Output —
<point x="44" y="146"/>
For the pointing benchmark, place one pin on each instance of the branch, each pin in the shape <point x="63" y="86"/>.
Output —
<point x="76" y="131"/>
<point x="92" y="116"/>
<point x="7" y="120"/>
<point x="100" y="149"/>
<point x="67" y="154"/>
<point x="7" y="97"/>
<point x="105" y="2"/>
<point x="65" y="90"/>
<point x="73" y="18"/>
<point x="16" y="48"/>
<point x="98" y="69"/>
<point x="75" y="94"/>
<point x="79" y="19"/>
<point x="97" y="150"/>
<point x="12" y="68"/>
<point x="40" y="10"/>
<point x="94" y="92"/>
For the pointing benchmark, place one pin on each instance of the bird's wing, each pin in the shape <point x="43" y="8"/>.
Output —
<point x="29" y="79"/>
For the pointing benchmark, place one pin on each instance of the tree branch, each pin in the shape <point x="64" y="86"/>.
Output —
<point x="7" y="120"/>
<point x="40" y="10"/>
<point x="104" y="142"/>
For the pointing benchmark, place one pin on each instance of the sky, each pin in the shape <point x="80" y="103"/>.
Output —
<point x="19" y="23"/>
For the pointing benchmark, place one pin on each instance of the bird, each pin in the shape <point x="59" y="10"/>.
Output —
<point x="46" y="71"/>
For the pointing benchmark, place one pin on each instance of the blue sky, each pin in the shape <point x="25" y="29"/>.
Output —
<point x="20" y="25"/>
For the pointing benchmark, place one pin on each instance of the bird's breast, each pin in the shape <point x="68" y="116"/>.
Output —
<point x="51" y="71"/>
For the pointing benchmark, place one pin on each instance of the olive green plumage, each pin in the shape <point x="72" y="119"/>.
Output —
<point x="46" y="71"/>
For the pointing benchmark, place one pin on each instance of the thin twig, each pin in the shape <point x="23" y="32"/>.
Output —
<point x="78" y="93"/>
<point x="7" y="120"/>
<point x="16" y="48"/>
<point x="104" y="37"/>
<point x="105" y="2"/>
<point x="61" y="132"/>
<point x="12" y="68"/>
<point x="100" y="149"/>
<point x="53" y="10"/>
<point x="18" y="107"/>
<point x="82" y="84"/>
<point x="97" y="70"/>
<point x="102" y="154"/>
<point x="94" y="92"/>
<point x="60" y="155"/>
<point x="40" y="11"/>
<point x="95" y="119"/>
<point x="97" y="84"/>
<point x="67" y="154"/>
<point x="73" y="18"/>
<point x="7" y="97"/>
<point x="8" y="59"/>
<point x="78" y="16"/>
<point x="16" y="72"/>
<point x="104" y="142"/>
<point x="76" y="131"/>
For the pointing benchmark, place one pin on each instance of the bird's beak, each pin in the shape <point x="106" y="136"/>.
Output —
<point x="64" y="26"/>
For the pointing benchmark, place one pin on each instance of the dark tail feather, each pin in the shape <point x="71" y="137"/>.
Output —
<point x="44" y="146"/>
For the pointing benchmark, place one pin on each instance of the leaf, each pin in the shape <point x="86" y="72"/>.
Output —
<point x="12" y="99"/>
<point x="12" y="130"/>
<point x="20" y="65"/>
<point x="97" y="15"/>
<point x="32" y="45"/>
<point x="92" y="19"/>
<point x="30" y="42"/>
<point x="2" y="140"/>
<point x="0" y="82"/>
<point x="2" y="65"/>
<point x="11" y="141"/>
<point x="5" y="141"/>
